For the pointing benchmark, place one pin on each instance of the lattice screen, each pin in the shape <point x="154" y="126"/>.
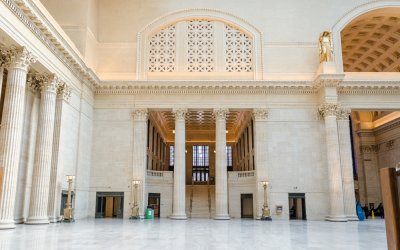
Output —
<point x="198" y="48"/>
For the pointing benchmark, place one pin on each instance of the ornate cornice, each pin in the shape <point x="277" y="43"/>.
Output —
<point x="220" y="113"/>
<point x="29" y="14"/>
<point x="328" y="80"/>
<point x="140" y="114"/>
<point x="64" y="92"/>
<point x="207" y="87"/>
<point x="260" y="114"/>
<point x="328" y="109"/>
<point x="180" y="114"/>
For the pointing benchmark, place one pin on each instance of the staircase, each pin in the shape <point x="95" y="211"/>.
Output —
<point x="200" y="201"/>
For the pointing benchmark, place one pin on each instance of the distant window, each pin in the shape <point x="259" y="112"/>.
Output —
<point x="200" y="163"/>
<point x="171" y="155"/>
<point x="229" y="156"/>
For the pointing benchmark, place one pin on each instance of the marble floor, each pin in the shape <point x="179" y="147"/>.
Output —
<point x="196" y="234"/>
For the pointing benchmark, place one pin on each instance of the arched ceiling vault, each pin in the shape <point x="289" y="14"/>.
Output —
<point x="371" y="42"/>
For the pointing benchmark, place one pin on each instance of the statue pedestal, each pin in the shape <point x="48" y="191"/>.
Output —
<point x="326" y="68"/>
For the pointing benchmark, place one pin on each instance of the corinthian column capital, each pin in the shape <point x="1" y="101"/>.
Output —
<point x="64" y="91"/>
<point x="19" y="57"/>
<point x="343" y="114"/>
<point x="180" y="114"/>
<point x="221" y="113"/>
<point x="328" y="109"/>
<point x="260" y="114"/>
<point x="140" y="114"/>
<point x="48" y="82"/>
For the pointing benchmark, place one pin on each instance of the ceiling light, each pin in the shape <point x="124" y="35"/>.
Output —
<point x="173" y="131"/>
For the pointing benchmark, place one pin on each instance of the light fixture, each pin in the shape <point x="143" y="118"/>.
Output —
<point x="173" y="131"/>
<point x="68" y="210"/>
<point x="226" y="131"/>
<point x="265" y="209"/>
<point x="134" y="205"/>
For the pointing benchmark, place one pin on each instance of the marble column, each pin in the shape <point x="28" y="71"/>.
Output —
<point x="260" y="117"/>
<point x="54" y="207"/>
<point x="44" y="144"/>
<point x="346" y="162"/>
<point x="329" y="111"/>
<point x="221" y="174"/>
<point x="18" y="61"/>
<point x="179" y="196"/>
<point x="140" y="118"/>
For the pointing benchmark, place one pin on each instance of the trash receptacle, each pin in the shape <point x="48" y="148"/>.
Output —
<point x="149" y="213"/>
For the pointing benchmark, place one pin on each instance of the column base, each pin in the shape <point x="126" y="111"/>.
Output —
<point x="340" y="218"/>
<point x="222" y="217"/>
<point x="55" y="220"/>
<point x="178" y="217"/>
<point x="352" y="217"/>
<point x="7" y="225"/>
<point x="19" y="221"/>
<point x="37" y="221"/>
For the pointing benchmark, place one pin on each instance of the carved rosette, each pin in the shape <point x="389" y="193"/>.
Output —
<point x="179" y="114"/>
<point x="220" y="114"/>
<point x="19" y="57"/>
<point x="48" y="82"/>
<point x="343" y="114"/>
<point x="260" y="114"/>
<point x="64" y="91"/>
<point x="328" y="109"/>
<point x="140" y="114"/>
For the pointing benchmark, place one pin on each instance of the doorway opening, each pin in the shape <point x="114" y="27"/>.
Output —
<point x="154" y="202"/>
<point x="246" y="204"/>
<point x="109" y="205"/>
<point x="297" y="206"/>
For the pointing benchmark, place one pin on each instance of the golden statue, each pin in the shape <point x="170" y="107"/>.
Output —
<point x="325" y="47"/>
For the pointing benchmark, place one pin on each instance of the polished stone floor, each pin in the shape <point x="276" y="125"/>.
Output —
<point x="196" y="234"/>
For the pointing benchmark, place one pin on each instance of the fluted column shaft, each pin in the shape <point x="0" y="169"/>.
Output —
<point x="54" y="207"/>
<point x="140" y="117"/>
<point x="221" y="175"/>
<point x="260" y="117"/>
<point x="179" y="196"/>
<point x="329" y="112"/>
<point x="44" y="145"/>
<point x="11" y="131"/>
<point x="346" y="163"/>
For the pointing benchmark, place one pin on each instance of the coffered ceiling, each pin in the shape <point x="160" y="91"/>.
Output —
<point x="200" y="124"/>
<point x="371" y="42"/>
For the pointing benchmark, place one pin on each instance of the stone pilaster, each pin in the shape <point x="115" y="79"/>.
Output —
<point x="18" y="61"/>
<point x="44" y="144"/>
<point x="346" y="163"/>
<point x="53" y="210"/>
<point x="221" y="175"/>
<point x="140" y="117"/>
<point x="260" y="117"/>
<point x="179" y="196"/>
<point x="329" y="112"/>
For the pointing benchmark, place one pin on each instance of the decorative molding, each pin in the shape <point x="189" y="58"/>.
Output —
<point x="64" y="92"/>
<point x="328" y="80"/>
<point x="179" y="114"/>
<point x="328" y="109"/>
<point x="32" y="85"/>
<point x="140" y="115"/>
<point x="30" y="15"/>
<point x="370" y="149"/>
<point x="220" y="114"/>
<point x="260" y="114"/>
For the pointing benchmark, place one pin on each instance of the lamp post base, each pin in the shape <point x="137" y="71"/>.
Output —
<point x="266" y="218"/>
